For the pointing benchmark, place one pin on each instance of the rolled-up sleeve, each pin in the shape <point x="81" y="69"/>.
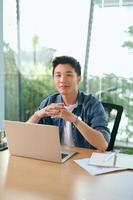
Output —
<point x="98" y="119"/>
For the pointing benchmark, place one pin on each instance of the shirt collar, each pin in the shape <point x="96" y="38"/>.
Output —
<point x="79" y="99"/>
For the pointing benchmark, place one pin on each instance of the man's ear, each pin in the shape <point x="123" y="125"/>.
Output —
<point x="79" y="79"/>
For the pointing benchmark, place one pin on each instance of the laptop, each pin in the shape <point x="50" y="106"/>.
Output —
<point x="35" y="141"/>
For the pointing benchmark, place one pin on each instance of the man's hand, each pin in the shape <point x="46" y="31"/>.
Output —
<point x="56" y="110"/>
<point x="51" y="110"/>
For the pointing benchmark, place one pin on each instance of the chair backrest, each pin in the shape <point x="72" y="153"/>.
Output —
<point x="114" y="113"/>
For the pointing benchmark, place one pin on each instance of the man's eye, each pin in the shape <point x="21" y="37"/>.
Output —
<point x="57" y="75"/>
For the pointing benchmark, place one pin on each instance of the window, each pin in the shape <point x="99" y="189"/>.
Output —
<point x="35" y="32"/>
<point x="110" y="59"/>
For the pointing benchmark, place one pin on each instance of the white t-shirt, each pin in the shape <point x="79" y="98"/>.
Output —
<point x="67" y="133"/>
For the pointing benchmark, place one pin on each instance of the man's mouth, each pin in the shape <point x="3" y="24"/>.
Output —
<point x="63" y="86"/>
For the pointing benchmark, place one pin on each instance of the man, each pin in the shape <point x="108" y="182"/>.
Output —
<point x="81" y="118"/>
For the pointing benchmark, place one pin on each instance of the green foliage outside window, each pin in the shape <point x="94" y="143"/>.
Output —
<point x="34" y="89"/>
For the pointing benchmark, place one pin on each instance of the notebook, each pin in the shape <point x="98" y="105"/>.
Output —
<point x="35" y="141"/>
<point x="112" y="159"/>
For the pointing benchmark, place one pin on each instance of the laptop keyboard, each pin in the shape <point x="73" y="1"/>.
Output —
<point x="63" y="155"/>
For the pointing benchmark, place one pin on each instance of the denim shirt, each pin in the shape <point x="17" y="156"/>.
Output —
<point x="89" y="109"/>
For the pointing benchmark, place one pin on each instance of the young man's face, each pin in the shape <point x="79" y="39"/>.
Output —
<point x="66" y="79"/>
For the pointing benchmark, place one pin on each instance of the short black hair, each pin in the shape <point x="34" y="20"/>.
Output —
<point x="67" y="60"/>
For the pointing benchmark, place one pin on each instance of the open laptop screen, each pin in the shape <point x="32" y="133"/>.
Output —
<point x="34" y="141"/>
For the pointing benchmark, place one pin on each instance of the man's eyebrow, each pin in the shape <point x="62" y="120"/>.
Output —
<point x="67" y="72"/>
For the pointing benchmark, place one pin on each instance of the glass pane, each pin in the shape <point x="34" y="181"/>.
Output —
<point x="110" y="64"/>
<point x="34" y="33"/>
<point x="11" y="68"/>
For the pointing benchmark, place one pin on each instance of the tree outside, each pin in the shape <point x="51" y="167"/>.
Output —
<point x="37" y="83"/>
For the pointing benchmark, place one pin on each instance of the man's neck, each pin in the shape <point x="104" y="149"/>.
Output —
<point x="70" y="100"/>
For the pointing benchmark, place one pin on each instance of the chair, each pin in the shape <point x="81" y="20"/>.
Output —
<point x="114" y="113"/>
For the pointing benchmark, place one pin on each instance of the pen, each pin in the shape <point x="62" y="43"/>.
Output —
<point x="110" y="156"/>
<point x="115" y="158"/>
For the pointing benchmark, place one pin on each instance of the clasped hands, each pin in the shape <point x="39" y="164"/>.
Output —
<point x="56" y="110"/>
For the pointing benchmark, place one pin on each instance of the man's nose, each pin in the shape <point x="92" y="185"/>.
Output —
<point x="63" y="78"/>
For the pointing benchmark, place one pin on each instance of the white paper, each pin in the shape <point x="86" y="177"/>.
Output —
<point x="106" y="160"/>
<point x="125" y="160"/>
<point x="95" y="170"/>
<point x="101" y="159"/>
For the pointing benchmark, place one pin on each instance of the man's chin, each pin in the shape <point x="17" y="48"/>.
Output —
<point x="63" y="92"/>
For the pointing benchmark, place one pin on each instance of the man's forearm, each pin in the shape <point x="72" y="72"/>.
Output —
<point x="93" y="136"/>
<point x="34" y="118"/>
